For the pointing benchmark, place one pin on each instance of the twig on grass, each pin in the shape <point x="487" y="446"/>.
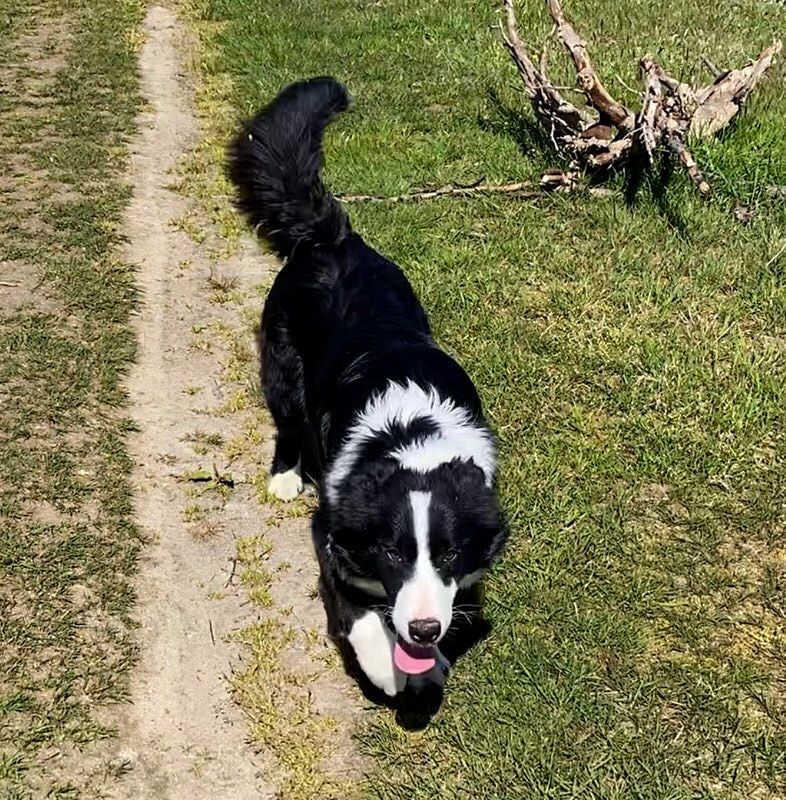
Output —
<point x="776" y="256"/>
<point x="521" y="189"/>
<point x="232" y="573"/>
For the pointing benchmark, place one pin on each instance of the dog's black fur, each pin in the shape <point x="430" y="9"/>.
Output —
<point x="340" y="325"/>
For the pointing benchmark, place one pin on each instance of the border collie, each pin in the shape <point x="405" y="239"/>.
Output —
<point x="366" y="405"/>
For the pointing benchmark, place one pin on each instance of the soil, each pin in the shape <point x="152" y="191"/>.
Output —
<point x="182" y="735"/>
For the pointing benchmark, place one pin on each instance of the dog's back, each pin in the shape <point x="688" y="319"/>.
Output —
<point x="345" y="318"/>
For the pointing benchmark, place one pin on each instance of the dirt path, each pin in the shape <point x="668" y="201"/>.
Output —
<point x="184" y="737"/>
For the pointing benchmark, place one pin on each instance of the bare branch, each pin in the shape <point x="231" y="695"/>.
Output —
<point x="558" y="180"/>
<point x="597" y="94"/>
<point x="544" y="58"/>
<point x="533" y="80"/>
<point x="561" y="119"/>
<point x="543" y="64"/>
<point x="525" y="189"/>
<point x="672" y="84"/>
<point x="716" y="73"/>
<point x="650" y="107"/>
<point x="671" y="110"/>
<point x="720" y="101"/>
<point x="615" y="153"/>
<point x="676" y="144"/>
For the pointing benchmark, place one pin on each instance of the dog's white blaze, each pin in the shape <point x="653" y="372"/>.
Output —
<point x="424" y="595"/>
<point x="373" y="645"/>
<point x="457" y="436"/>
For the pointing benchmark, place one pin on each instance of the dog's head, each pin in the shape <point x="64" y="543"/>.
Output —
<point x="414" y="540"/>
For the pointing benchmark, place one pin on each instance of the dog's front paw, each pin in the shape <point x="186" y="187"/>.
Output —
<point x="373" y="645"/>
<point x="285" y="485"/>
<point x="391" y="685"/>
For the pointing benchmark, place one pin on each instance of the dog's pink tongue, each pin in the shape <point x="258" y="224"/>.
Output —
<point x="412" y="661"/>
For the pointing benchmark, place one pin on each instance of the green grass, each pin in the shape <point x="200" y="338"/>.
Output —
<point x="632" y="361"/>
<point x="67" y="543"/>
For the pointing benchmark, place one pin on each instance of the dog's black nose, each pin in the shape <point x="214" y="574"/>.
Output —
<point x="424" y="631"/>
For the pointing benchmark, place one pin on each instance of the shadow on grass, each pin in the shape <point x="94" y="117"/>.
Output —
<point x="529" y="136"/>
<point x="533" y="142"/>
<point x="654" y="183"/>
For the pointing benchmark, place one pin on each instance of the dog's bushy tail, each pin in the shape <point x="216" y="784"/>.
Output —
<point x="275" y="162"/>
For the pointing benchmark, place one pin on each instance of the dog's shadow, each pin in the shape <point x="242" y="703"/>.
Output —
<point x="415" y="708"/>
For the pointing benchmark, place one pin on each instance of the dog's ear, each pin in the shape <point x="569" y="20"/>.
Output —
<point x="371" y="481"/>
<point x="462" y="487"/>
<point x="363" y="493"/>
<point x="463" y="478"/>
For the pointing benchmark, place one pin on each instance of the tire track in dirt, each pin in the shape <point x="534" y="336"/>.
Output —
<point x="183" y="736"/>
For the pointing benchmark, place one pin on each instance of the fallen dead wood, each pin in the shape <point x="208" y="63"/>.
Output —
<point x="525" y="189"/>
<point x="612" y="136"/>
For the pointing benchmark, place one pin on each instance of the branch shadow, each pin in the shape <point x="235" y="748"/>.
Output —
<point x="638" y="180"/>
<point x="506" y="122"/>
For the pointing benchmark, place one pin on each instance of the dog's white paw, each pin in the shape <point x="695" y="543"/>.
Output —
<point x="286" y="485"/>
<point x="373" y="646"/>
<point x="391" y="685"/>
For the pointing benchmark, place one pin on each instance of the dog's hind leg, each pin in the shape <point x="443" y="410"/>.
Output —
<point x="281" y="371"/>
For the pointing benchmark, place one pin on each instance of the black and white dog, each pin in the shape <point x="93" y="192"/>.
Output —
<point x="366" y="404"/>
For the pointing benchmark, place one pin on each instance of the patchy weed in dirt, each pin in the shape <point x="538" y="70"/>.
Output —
<point x="278" y="704"/>
<point x="273" y="691"/>
<point x="276" y="684"/>
<point x="68" y="547"/>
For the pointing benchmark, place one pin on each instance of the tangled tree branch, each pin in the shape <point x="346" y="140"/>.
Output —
<point x="615" y="136"/>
